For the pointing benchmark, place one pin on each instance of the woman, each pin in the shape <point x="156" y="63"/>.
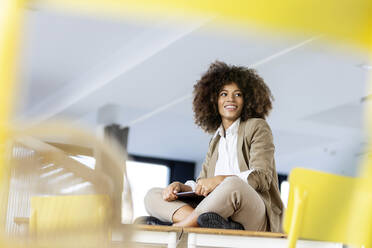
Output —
<point x="238" y="178"/>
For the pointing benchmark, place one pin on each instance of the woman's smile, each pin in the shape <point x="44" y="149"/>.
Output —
<point x="231" y="107"/>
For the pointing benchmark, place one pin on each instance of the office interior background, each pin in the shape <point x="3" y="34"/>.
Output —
<point x="140" y="74"/>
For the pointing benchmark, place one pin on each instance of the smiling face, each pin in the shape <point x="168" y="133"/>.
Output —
<point x="230" y="104"/>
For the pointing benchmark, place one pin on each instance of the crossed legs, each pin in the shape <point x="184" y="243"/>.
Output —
<point x="232" y="198"/>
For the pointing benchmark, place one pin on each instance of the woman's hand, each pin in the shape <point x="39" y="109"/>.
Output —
<point x="169" y="193"/>
<point x="207" y="185"/>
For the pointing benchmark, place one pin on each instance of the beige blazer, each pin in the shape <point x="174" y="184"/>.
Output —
<point x="255" y="151"/>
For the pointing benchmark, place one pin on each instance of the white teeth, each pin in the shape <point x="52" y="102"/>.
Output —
<point x="230" y="107"/>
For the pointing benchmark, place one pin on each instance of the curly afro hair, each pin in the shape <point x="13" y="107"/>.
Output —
<point x="257" y="96"/>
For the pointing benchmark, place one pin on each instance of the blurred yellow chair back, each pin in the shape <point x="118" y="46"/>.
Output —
<point x="57" y="199"/>
<point x="320" y="208"/>
<point x="71" y="221"/>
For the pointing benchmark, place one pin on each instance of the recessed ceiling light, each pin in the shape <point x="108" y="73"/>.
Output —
<point x="365" y="66"/>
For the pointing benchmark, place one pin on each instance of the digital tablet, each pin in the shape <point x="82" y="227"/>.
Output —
<point x="189" y="194"/>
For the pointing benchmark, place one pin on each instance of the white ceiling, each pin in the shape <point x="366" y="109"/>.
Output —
<point x="143" y="72"/>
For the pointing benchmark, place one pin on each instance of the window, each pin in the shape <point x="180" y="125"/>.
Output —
<point x="142" y="177"/>
<point x="284" y="192"/>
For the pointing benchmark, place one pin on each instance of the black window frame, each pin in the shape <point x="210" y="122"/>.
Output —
<point x="180" y="170"/>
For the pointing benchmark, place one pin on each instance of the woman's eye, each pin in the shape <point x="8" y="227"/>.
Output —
<point x="223" y="94"/>
<point x="238" y="94"/>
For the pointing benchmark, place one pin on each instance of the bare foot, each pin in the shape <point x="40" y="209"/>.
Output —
<point x="189" y="221"/>
<point x="182" y="213"/>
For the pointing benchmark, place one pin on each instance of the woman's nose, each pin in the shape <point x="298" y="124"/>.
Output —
<point x="230" y="97"/>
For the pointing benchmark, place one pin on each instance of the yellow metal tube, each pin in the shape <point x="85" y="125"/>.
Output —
<point x="10" y="22"/>
<point x="300" y="196"/>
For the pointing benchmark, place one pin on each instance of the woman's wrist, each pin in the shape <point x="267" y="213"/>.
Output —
<point x="185" y="188"/>
<point x="222" y="177"/>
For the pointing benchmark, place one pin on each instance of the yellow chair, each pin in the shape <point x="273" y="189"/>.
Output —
<point x="320" y="208"/>
<point x="71" y="221"/>
<point x="362" y="204"/>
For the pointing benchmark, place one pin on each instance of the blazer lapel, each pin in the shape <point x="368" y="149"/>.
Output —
<point x="242" y="164"/>
<point x="213" y="160"/>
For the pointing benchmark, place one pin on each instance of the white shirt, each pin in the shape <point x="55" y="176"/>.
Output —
<point x="227" y="162"/>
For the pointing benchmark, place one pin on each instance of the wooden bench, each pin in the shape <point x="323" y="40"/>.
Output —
<point x="148" y="235"/>
<point x="205" y="237"/>
<point x="231" y="238"/>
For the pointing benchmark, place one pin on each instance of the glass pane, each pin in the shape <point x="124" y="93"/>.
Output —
<point x="284" y="192"/>
<point x="142" y="177"/>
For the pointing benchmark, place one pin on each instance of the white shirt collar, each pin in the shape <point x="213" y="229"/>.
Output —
<point x="232" y="130"/>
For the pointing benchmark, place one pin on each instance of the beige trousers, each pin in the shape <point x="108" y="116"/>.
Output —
<point x="233" y="198"/>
